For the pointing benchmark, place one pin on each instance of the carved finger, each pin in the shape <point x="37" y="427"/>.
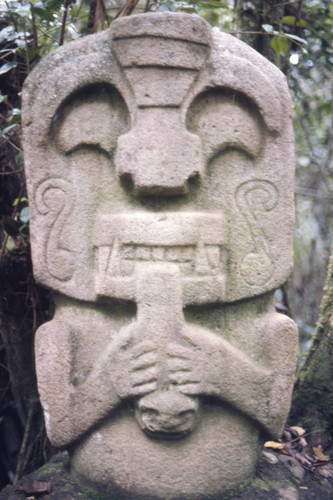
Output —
<point x="184" y="377"/>
<point x="194" y="339"/>
<point x="145" y="360"/>
<point x="191" y="389"/>
<point x="139" y="350"/>
<point x="180" y="364"/>
<point x="180" y="351"/>
<point x="140" y="390"/>
<point x="144" y="376"/>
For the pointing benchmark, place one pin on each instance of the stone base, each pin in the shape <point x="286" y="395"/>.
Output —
<point x="274" y="480"/>
<point x="218" y="456"/>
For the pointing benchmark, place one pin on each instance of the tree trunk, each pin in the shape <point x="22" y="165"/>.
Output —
<point x="313" y="393"/>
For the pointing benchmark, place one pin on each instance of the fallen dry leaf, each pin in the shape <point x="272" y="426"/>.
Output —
<point x="274" y="445"/>
<point x="318" y="453"/>
<point x="300" y="431"/>
<point x="288" y="450"/>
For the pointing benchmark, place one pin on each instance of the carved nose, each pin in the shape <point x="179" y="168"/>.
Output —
<point x="159" y="154"/>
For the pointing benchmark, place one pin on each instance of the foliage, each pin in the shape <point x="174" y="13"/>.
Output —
<point x="312" y="91"/>
<point x="296" y="35"/>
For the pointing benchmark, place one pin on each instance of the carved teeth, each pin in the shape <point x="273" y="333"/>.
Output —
<point x="202" y="266"/>
<point x="201" y="260"/>
<point x="194" y="241"/>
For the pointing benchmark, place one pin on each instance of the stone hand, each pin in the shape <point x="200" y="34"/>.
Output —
<point x="206" y="364"/>
<point x="133" y="366"/>
<point x="182" y="368"/>
<point x="195" y="364"/>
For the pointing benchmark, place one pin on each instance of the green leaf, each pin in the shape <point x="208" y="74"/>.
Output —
<point x="53" y="4"/>
<point x="15" y="120"/>
<point x="279" y="45"/>
<point x="268" y="28"/>
<point x="47" y="15"/>
<point x="8" y="51"/>
<point x="291" y="21"/>
<point x="15" y="112"/>
<point x="18" y="158"/>
<point x="25" y="215"/>
<point x="212" y="5"/>
<point x="6" y="130"/>
<point x="15" y="116"/>
<point x="3" y="97"/>
<point x="189" y="9"/>
<point x="7" y="67"/>
<point x="19" y="200"/>
<point x="71" y="28"/>
<point x="23" y="10"/>
<point x="5" y="32"/>
<point x="11" y="245"/>
<point x="296" y="38"/>
<point x="20" y="43"/>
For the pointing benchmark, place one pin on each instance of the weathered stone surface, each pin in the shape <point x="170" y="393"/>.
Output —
<point x="274" y="480"/>
<point x="159" y="160"/>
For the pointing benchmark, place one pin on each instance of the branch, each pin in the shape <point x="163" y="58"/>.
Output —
<point x="21" y="456"/>
<point x="64" y="18"/>
<point x="127" y="9"/>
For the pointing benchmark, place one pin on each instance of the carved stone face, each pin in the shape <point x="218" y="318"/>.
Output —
<point x="169" y="416"/>
<point x="161" y="119"/>
<point x="160" y="169"/>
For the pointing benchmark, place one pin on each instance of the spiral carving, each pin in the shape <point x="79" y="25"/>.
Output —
<point x="254" y="197"/>
<point x="54" y="200"/>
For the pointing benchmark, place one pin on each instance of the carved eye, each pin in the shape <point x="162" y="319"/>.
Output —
<point x="226" y="120"/>
<point x="149" y="412"/>
<point x="92" y="117"/>
<point x="186" y="415"/>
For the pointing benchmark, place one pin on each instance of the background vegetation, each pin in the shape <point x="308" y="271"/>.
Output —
<point x="297" y="37"/>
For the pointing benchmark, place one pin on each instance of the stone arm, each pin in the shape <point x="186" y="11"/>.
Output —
<point x="206" y="364"/>
<point x="281" y="348"/>
<point x="199" y="363"/>
<point x="70" y="410"/>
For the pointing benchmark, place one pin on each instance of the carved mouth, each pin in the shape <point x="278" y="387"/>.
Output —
<point x="158" y="430"/>
<point x="168" y="434"/>
<point x="167" y="414"/>
<point x="193" y="241"/>
<point x="192" y="261"/>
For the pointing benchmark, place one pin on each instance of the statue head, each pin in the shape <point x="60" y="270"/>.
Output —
<point x="160" y="116"/>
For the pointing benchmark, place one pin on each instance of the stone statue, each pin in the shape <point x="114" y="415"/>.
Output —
<point x="159" y="161"/>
